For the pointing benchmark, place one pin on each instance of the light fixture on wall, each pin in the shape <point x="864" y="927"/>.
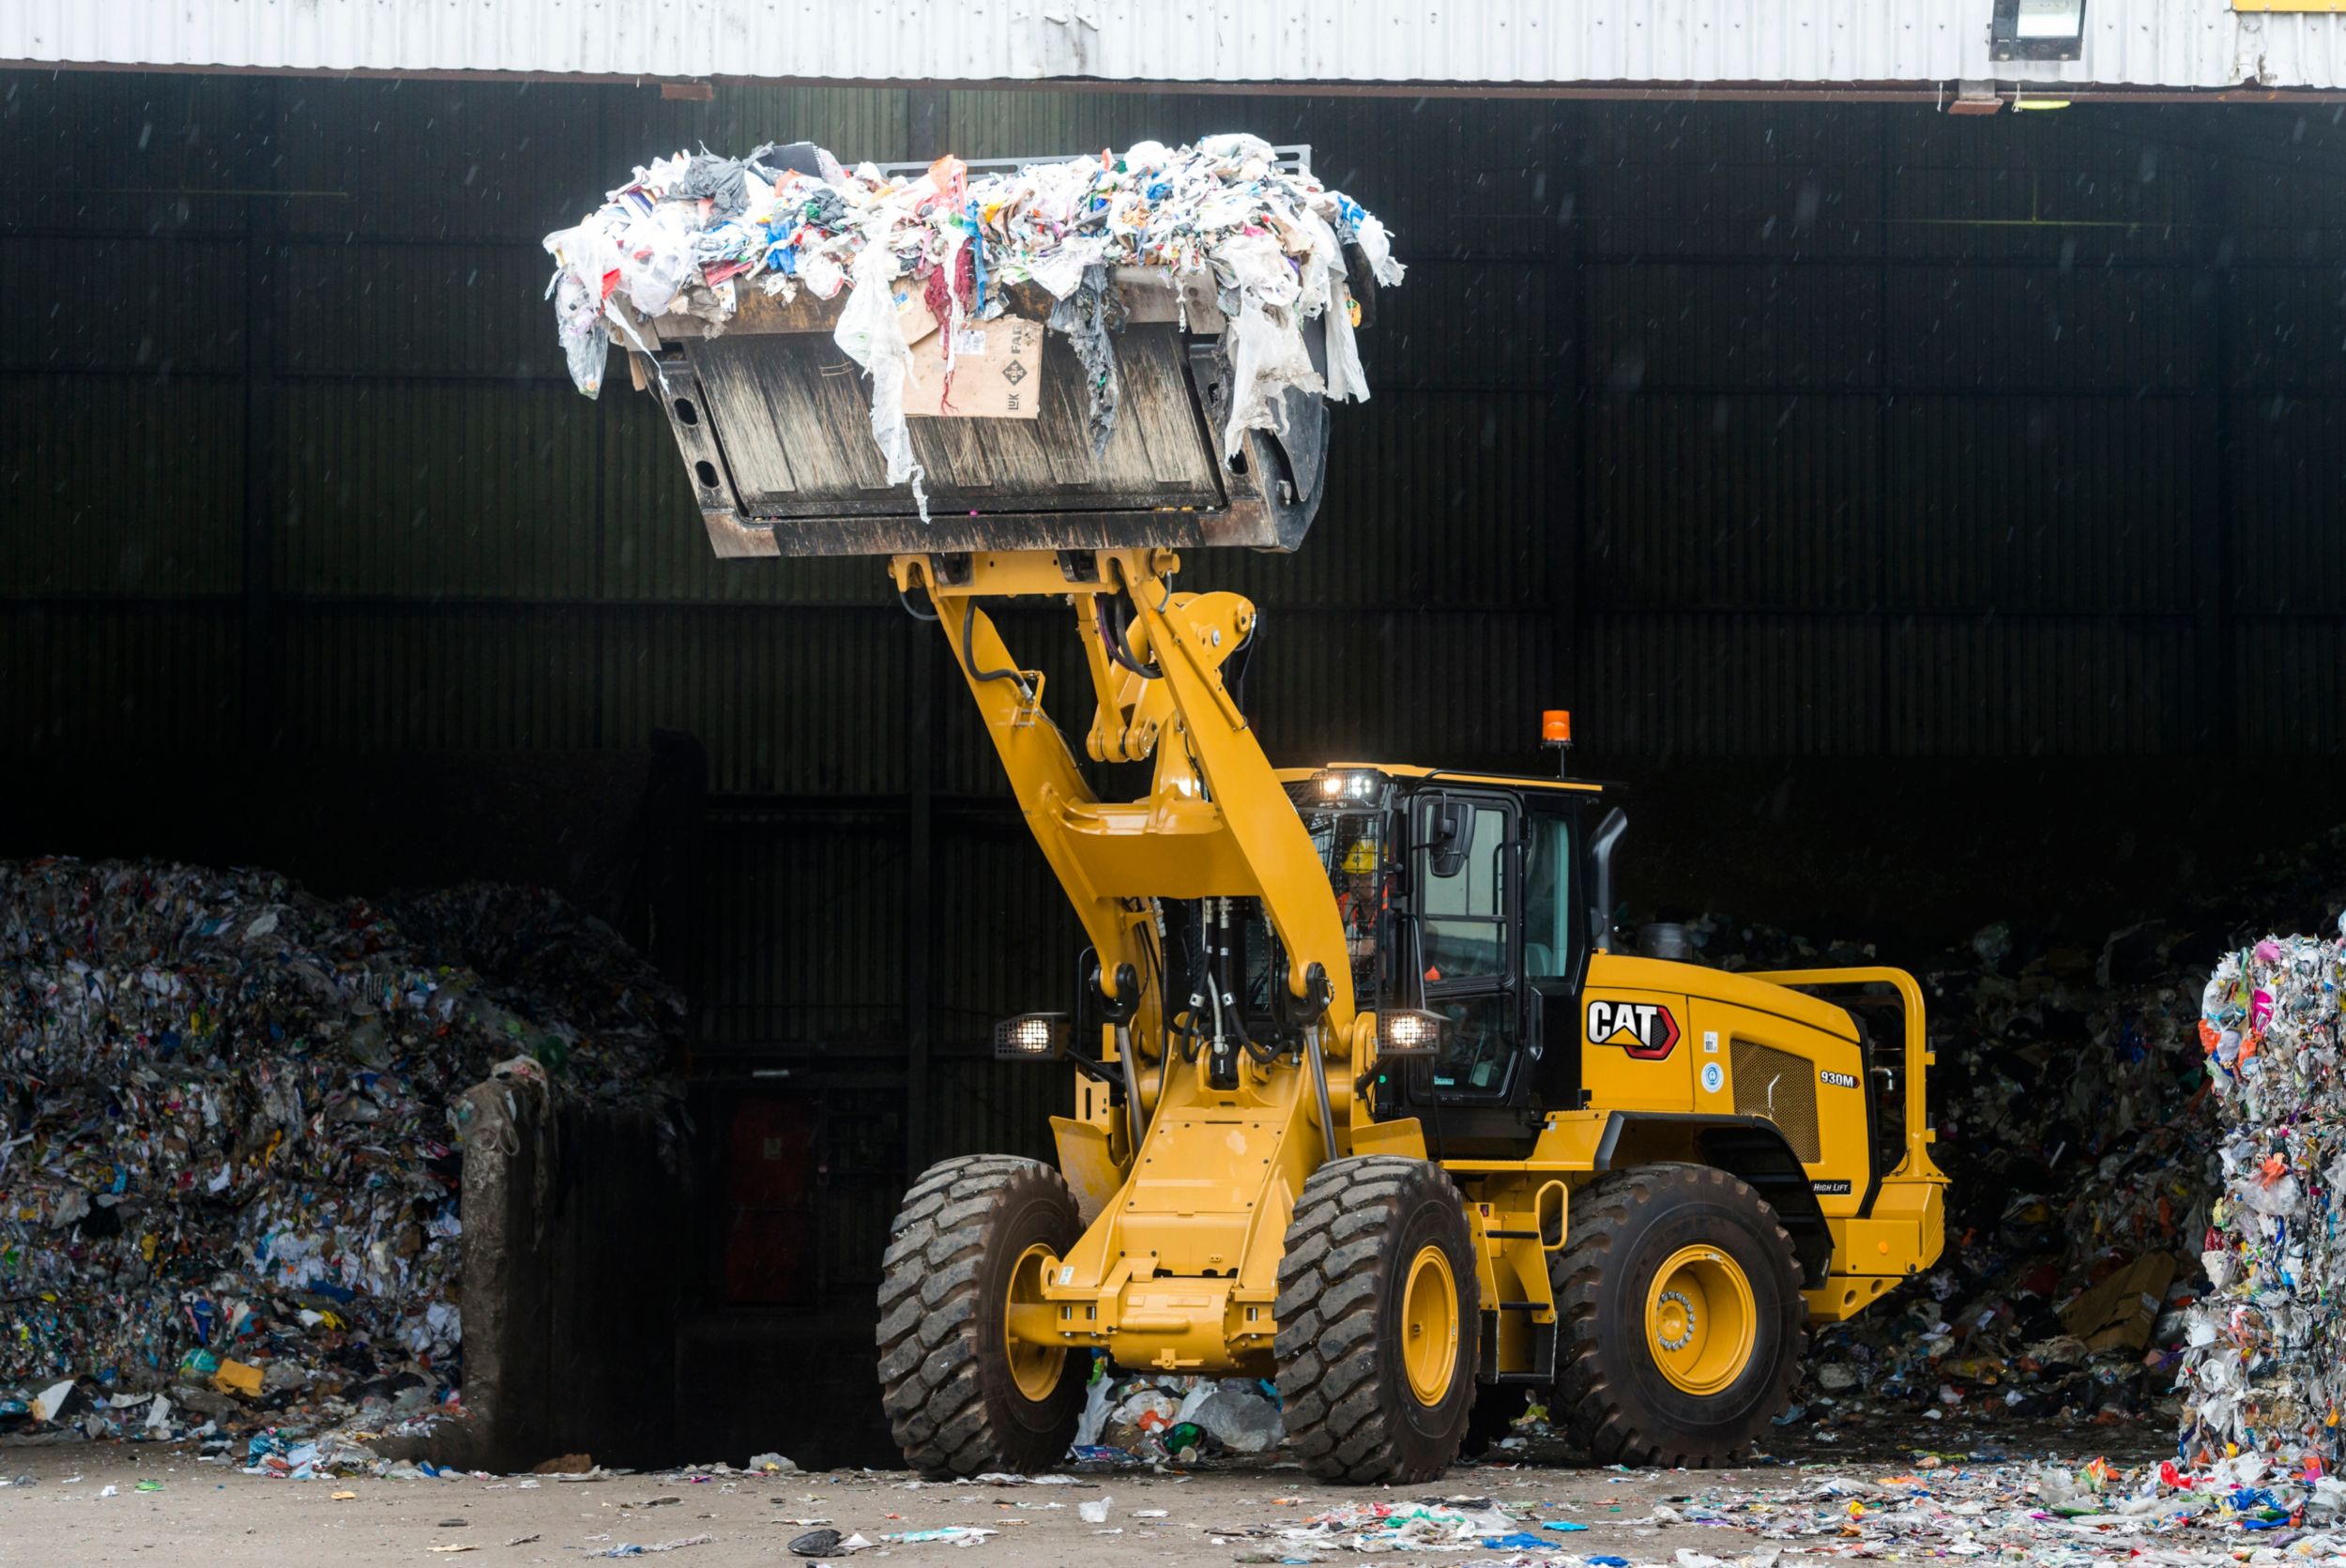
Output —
<point x="2037" y="30"/>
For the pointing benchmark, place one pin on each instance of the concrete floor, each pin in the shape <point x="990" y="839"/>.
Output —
<point x="211" y="1514"/>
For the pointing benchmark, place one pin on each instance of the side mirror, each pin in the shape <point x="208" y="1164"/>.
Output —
<point x="1446" y="838"/>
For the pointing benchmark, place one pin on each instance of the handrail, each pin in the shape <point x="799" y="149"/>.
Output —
<point x="1919" y="1055"/>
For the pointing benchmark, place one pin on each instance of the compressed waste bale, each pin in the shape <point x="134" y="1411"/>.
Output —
<point x="2265" y="1373"/>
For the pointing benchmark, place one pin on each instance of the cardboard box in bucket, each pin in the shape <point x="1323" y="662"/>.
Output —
<point x="998" y="367"/>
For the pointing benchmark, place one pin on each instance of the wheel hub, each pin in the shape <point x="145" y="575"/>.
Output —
<point x="1674" y="1325"/>
<point x="1036" y="1369"/>
<point x="1429" y="1325"/>
<point x="1700" y="1320"/>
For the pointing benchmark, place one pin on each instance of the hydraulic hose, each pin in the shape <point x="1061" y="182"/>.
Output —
<point x="969" y="657"/>
<point x="1114" y="638"/>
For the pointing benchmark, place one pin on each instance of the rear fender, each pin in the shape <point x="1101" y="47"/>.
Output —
<point x="1750" y="1147"/>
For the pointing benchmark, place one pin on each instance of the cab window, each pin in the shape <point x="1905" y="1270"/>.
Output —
<point x="1479" y="1048"/>
<point x="1461" y="885"/>
<point x="1547" y="922"/>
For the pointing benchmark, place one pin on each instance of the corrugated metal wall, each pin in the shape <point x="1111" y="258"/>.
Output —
<point x="1832" y="432"/>
<point x="1919" y="43"/>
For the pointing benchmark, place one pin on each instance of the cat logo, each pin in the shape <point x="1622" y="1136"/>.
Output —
<point x="1644" y="1030"/>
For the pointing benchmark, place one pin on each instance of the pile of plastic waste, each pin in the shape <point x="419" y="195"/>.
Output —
<point x="2265" y="1373"/>
<point x="689" y="232"/>
<point x="228" y="1176"/>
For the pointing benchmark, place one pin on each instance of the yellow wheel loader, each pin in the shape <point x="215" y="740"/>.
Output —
<point x="1367" y="1098"/>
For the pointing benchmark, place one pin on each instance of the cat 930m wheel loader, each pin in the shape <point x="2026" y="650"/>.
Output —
<point x="1366" y="1100"/>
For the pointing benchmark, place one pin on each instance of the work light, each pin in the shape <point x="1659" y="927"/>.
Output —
<point x="1409" y="1031"/>
<point x="1348" y="784"/>
<point x="1031" y="1036"/>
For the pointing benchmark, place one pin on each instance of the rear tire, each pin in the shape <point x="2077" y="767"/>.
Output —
<point x="961" y="1398"/>
<point x="1378" y="1321"/>
<point x="1682" y="1320"/>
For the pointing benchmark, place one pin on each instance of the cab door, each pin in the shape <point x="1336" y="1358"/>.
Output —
<point x="1463" y="878"/>
<point x="1554" y="949"/>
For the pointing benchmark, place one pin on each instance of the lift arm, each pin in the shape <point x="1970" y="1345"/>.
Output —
<point x="1179" y="1269"/>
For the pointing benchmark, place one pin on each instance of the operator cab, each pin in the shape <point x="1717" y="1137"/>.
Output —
<point x="1470" y="902"/>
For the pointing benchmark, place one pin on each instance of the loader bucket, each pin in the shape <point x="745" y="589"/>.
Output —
<point x="773" y="421"/>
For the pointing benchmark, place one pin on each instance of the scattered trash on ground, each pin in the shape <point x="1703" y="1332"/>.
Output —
<point x="625" y="1549"/>
<point x="827" y="1542"/>
<point x="949" y="1535"/>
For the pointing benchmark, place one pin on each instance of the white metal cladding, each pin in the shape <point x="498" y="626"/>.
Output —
<point x="2136" y="43"/>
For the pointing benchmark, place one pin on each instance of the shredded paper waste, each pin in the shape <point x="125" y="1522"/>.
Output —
<point x="690" y="232"/>
<point x="228" y="1171"/>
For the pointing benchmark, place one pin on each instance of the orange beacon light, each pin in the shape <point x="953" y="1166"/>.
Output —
<point x="1556" y="733"/>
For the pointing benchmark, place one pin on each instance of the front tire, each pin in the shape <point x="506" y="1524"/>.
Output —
<point x="1378" y="1321"/>
<point x="972" y="1244"/>
<point x="1682" y="1320"/>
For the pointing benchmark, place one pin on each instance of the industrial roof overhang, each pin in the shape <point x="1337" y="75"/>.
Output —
<point x="1840" y="49"/>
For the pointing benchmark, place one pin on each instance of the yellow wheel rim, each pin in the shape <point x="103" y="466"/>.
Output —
<point x="1429" y="1325"/>
<point x="1026" y="1319"/>
<point x="1699" y="1320"/>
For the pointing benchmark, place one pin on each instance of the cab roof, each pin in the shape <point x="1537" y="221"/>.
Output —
<point x="1445" y="775"/>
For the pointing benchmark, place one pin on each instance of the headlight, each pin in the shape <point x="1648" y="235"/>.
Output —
<point x="1031" y="1036"/>
<point x="1408" y="1031"/>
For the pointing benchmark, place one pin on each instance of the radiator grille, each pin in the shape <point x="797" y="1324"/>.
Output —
<point x="1782" y="1088"/>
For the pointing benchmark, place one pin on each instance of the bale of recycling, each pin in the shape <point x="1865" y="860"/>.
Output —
<point x="2265" y="1376"/>
<point x="228" y="1169"/>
